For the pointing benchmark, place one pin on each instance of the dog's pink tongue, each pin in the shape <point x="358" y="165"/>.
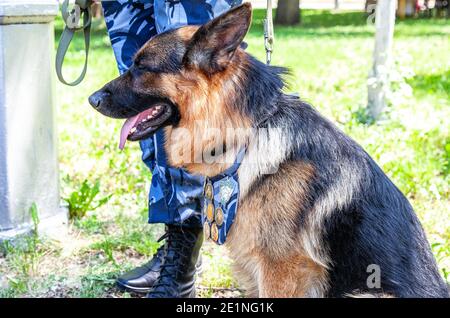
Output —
<point x="127" y="126"/>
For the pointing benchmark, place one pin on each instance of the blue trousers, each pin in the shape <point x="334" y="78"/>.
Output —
<point x="174" y="193"/>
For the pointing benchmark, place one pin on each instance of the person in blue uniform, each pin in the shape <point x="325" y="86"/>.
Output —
<point x="174" y="194"/>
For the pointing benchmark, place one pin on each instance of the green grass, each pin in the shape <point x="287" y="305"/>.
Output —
<point x="329" y="56"/>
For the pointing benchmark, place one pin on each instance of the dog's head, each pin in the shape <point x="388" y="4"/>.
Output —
<point x="179" y="77"/>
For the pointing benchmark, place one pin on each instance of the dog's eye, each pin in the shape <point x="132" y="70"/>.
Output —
<point x="146" y="68"/>
<point x="141" y="67"/>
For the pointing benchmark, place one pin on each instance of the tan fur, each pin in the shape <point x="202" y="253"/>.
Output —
<point x="292" y="276"/>
<point x="264" y="241"/>
<point x="187" y="32"/>
<point x="205" y="103"/>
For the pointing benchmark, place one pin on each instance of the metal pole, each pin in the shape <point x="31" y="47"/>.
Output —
<point x="378" y="83"/>
<point x="269" y="37"/>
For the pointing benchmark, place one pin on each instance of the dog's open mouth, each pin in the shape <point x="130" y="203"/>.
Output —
<point x="144" y="124"/>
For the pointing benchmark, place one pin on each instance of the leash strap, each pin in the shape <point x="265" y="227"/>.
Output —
<point x="269" y="36"/>
<point x="71" y="19"/>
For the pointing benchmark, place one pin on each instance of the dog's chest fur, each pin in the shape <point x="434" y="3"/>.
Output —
<point x="265" y="238"/>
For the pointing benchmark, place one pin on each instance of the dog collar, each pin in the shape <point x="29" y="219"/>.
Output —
<point x="220" y="202"/>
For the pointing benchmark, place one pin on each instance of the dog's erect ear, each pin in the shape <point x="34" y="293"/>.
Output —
<point x="214" y="44"/>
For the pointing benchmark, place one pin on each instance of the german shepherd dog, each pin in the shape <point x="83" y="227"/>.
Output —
<point x="328" y="222"/>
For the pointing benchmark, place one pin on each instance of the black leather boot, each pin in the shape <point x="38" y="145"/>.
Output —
<point x="141" y="279"/>
<point x="178" y="269"/>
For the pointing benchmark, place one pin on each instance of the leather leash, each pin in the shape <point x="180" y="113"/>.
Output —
<point x="71" y="19"/>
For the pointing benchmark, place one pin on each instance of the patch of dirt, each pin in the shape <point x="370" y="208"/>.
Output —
<point x="215" y="292"/>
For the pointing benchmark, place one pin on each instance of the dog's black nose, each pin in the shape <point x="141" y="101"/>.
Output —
<point x="96" y="99"/>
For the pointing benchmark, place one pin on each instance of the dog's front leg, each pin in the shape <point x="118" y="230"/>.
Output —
<point x="294" y="276"/>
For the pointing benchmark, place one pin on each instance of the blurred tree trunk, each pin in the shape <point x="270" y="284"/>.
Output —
<point x="336" y="4"/>
<point x="288" y="12"/>
<point x="378" y="83"/>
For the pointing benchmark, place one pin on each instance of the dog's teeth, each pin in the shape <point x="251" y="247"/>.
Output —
<point x="132" y="130"/>
<point x="149" y="116"/>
